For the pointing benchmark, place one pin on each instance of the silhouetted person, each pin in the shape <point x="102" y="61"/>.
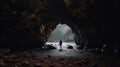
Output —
<point x="60" y="43"/>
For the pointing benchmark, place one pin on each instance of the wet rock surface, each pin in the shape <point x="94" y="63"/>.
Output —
<point x="34" y="58"/>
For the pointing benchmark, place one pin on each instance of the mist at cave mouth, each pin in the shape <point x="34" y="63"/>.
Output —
<point x="61" y="32"/>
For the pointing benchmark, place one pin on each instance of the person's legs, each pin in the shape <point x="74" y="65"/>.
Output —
<point x="60" y="46"/>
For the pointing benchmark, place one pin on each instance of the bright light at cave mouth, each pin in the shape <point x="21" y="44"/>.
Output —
<point x="62" y="32"/>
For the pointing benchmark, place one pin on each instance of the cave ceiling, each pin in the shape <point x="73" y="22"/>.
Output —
<point x="40" y="17"/>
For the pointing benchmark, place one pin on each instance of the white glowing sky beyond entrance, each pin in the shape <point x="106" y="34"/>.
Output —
<point x="62" y="32"/>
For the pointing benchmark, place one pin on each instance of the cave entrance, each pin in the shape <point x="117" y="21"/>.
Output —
<point x="62" y="32"/>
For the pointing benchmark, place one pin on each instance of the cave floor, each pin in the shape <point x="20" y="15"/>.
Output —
<point x="93" y="58"/>
<point x="102" y="61"/>
<point x="64" y="51"/>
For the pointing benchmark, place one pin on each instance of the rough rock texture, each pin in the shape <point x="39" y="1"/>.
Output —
<point x="31" y="22"/>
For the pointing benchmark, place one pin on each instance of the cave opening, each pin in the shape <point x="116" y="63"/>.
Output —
<point x="62" y="32"/>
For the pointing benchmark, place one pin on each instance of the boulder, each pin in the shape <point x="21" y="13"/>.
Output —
<point x="70" y="47"/>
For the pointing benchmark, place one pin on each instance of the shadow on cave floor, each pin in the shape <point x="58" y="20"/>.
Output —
<point x="73" y="55"/>
<point x="101" y="60"/>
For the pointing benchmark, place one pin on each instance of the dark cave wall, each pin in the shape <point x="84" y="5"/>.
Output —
<point x="108" y="24"/>
<point x="26" y="22"/>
